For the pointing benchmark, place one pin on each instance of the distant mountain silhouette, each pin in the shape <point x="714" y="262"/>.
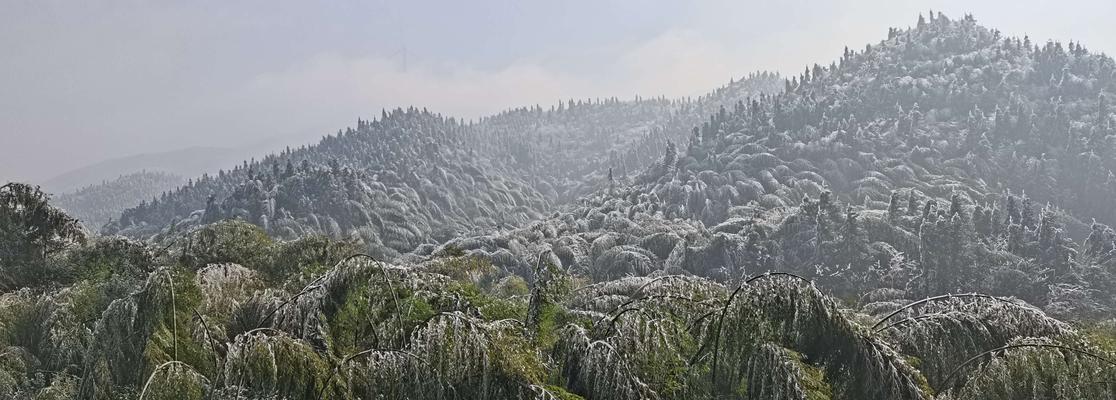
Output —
<point x="191" y="161"/>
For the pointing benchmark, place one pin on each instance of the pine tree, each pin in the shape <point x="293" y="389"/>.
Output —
<point x="1100" y="239"/>
<point x="955" y="205"/>
<point x="809" y="208"/>
<point x="929" y="208"/>
<point x="670" y="158"/>
<point x="288" y="171"/>
<point x="854" y="246"/>
<point x="982" y="221"/>
<point x="1027" y="213"/>
<point x="912" y="204"/>
<point x="893" y="209"/>
<point x="1013" y="215"/>
<point x="31" y="230"/>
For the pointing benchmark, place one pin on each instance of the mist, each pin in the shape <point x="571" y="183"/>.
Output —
<point x="86" y="83"/>
<point x="582" y="200"/>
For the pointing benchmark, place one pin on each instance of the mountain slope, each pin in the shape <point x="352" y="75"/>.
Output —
<point x="95" y="205"/>
<point x="191" y="161"/>
<point x="414" y="177"/>
<point x="573" y="147"/>
<point x="812" y="244"/>
<point x="879" y="173"/>
<point x="394" y="183"/>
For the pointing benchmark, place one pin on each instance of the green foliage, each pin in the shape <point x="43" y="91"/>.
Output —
<point x="1102" y="334"/>
<point x="561" y="393"/>
<point x="88" y="299"/>
<point x="175" y="381"/>
<point x="63" y="387"/>
<point x="112" y="255"/>
<point x="551" y="318"/>
<point x="462" y="268"/>
<point x="640" y="292"/>
<point x="233" y="241"/>
<point x="813" y="380"/>
<point x="511" y="286"/>
<point x="314" y="251"/>
<point x="275" y="366"/>
<point x="366" y="320"/>
<point x="31" y="231"/>
<point x="490" y="307"/>
<point x="177" y="336"/>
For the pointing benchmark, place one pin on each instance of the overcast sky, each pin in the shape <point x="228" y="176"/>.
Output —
<point x="82" y="82"/>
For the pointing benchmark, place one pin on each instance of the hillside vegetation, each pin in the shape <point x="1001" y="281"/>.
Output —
<point x="96" y="205"/>
<point x="926" y="218"/>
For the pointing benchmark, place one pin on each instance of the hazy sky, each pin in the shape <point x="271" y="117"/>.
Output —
<point x="81" y="82"/>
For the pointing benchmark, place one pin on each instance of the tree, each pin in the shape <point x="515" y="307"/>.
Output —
<point x="213" y="212"/>
<point x="1100" y="240"/>
<point x="1027" y="214"/>
<point x="944" y="254"/>
<point x="982" y="221"/>
<point x="30" y="231"/>
<point x="912" y="203"/>
<point x="893" y="211"/>
<point x="671" y="157"/>
<point x="955" y="205"/>
<point x="928" y="209"/>
<point x="1013" y="216"/>
<point x="854" y="243"/>
<point x="289" y="170"/>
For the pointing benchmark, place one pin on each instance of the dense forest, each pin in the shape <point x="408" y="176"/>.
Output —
<point x="413" y="177"/>
<point x="96" y="205"/>
<point x="925" y="218"/>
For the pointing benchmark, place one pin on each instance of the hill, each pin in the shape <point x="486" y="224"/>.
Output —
<point x="574" y="146"/>
<point x="414" y="177"/>
<point x="191" y="161"/>
<point x="880" y="172"/>
<point x="95" y="205"/>
<point x="897" y="225"/>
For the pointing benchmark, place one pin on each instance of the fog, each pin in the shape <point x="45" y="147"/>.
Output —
<point x="87" y="82"/>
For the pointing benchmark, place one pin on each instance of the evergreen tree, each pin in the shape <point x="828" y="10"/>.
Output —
<point x="912" y="204"/>
<point x="929" y="209"/>
<point x="213" y="211"/>
<point x="1027" y="213"/>
<point x="670" y="158"/>
<point x="893" y="211"/>
<point x="1100" y="240"/>
<point x="288" y="171"/>
<point x="31" y="230"/>
<point x="955" y="205"/>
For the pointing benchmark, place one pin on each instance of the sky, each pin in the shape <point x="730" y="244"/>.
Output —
<point x="82" y="82"/>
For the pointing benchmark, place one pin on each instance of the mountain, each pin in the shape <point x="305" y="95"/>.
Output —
<point x="192" y="161"/>
<point x="95" y="205"/>
<point x="415" y="177"/>
<point x="394" y="183"/>
<point x="905" y="223"/>
<point x="574" y="146"/>
<point x="879" y="172"/>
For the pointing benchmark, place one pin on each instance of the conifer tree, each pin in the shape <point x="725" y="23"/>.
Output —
<point x="893" y="208"/>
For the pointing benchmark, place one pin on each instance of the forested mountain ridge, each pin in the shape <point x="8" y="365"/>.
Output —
<point x="397" y="182"/>
<point x="187" y="162"/>
<point x="828" y="182"/>
<point x="95" y="205"/>
<point x="834" y="241"/>
<point x="948" y="106"/>
<point x="414" y="177"/>
<point x="573" y="147"/>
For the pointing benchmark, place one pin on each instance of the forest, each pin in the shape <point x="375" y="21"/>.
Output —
<point x="927" y="217"/>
